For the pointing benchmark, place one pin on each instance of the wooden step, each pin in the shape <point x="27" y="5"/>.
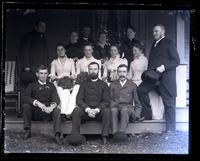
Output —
<point x="155" y="126"/>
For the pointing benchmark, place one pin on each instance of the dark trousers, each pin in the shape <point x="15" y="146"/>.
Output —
<point x="168" y="101"/>
<point x="79" y="115"/>
<point x="30" y="113"/>
<point x="120" y="118"/>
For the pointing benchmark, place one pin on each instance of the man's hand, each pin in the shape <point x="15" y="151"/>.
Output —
<point x="40" y="105"/>
<point x="91" y="113"/>
<point x="50" y="108"/>
<point x="160" y="69"/>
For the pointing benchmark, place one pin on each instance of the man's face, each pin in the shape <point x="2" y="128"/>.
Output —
<point x="61" y="51"/>
<point x="102" y="38"/>
<point x="42" y="75"/>
<point x="88" y="51"/>
<point x="158" y="32"/>
<point x="122" y="73"/>
<point x="41" y="27"/>
<point x="86" y="31"/>
<point x="93" y="71"/>
<point x="74" y="37"/>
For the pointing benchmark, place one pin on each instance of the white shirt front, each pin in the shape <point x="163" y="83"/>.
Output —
<point x="158" y="41"/>
<point x="122" y="83"/>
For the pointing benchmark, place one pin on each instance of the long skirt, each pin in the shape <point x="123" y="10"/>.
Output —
<point x="156" y="103"/>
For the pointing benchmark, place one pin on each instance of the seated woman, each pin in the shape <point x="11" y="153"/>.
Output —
<point x="137" y="67"/>
<point x="82" y="64"/>
<point x="110" y="66"/>
<point x="60" y="68"/>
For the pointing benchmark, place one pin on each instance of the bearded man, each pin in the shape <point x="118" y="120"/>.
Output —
<point x="93" y="104"/>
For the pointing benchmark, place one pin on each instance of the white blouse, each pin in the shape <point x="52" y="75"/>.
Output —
<point x="112" y="64"/>
<point x="137" y="67"/>
<point x="63" y="69"/>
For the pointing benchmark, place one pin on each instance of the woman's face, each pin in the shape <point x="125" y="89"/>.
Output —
<point x="130" y="34"/>
<point x="74" y="37"/>
<point x="61" y="51"/>
<point x="114" y="51"/>
<point x="137" y="52"/>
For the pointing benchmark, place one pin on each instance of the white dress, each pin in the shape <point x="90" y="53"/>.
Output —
<point x="137" y="67"/>
<point x="67" y="100"/>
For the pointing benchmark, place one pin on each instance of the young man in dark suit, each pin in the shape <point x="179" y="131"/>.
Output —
<point x="41" y="103"/>
<point x="164" y="58"/>
<point x="93" y="104"/>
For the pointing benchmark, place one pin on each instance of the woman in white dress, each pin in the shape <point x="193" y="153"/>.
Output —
<point x="110" y="66"/>
<point x="137" y="67"/>
<point x="82" y="64"/>
<point x="60" y="68"/>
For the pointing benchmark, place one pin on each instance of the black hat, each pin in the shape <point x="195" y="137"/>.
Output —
<point x="119" y="137"/>
<point x="76" y="139"/>
<point x="151" y="76"/>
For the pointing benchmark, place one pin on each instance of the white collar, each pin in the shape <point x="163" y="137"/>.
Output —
<point x="62" y="58"/>
<point x="122" y="83"/>
<point x="42" y="83"/>
<point x="85" y="38"/>
<point x="94" y="80"/>
<point x="88" y="58"/>
<point x="160" y="39"/>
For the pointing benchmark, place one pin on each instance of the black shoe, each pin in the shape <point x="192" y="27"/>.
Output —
<point x="119" y="137"/>
<point x="27" y="134"/>
<point x="58" y="139"/>
<point x="104" y="140"/>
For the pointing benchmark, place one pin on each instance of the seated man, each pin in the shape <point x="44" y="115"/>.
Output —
<point x="93" y="102"/>
<point x="40" y="103"/>
<point x="123" y="92"/>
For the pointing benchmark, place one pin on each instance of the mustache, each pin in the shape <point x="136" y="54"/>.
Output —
<point x="122" y="76"/>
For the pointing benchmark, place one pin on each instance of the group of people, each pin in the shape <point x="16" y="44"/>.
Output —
<point x="97" y="82"/>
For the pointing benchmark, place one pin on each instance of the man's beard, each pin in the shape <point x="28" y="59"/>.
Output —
<point x="93" y="76"/>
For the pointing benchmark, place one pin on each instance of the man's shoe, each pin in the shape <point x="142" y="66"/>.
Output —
<point x="104" y="140"/>
<point x="27" y="134"/>
<point x="58" y="139"/>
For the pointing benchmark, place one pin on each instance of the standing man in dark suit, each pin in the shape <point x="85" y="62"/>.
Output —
<point x="93" y="104"/>
<point x="164" y="58"/>
<point x="33" y="51"/>
<point x="41" y="103"/>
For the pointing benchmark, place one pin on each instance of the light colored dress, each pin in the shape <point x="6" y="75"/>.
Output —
<point x="137" y="67"/>
<point x="82" y="64"/>
<point x="65" y="69"/>
<point x="112" y="64"/>
<point x="67" y="100"/>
